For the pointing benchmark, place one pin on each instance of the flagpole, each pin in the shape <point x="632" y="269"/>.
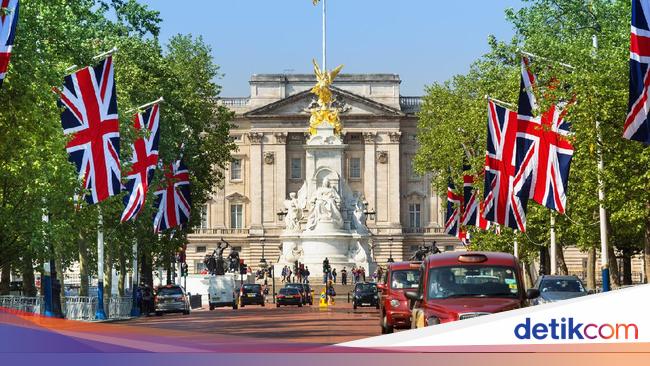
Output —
<point x="100" y="314"/>
<point x="516" y="251"/>
<point x="604" y="260"/>
<point x="135" y="309"/>
<point x="324" y="35"/>
<point x="145" y="105"/>
<point x="553" y="246"/>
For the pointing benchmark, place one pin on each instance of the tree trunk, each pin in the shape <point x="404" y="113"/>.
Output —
<point x="561" y="264"/>
<point x="591" y="268"/>
<point x="627" y="267"/>
<point x="614" y="274"/>
<point x="108" y="280"/>
<point x="145" y="269"/>
<point x="122" y="278"/>
<point x="29" y="285"/>
<point x="83" y="265"/>
<point x="5" y="278"/>
<point x="528" y="276"/>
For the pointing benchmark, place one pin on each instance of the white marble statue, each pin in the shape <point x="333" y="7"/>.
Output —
<point x="359" y="214"/>
<point x="294" y="214"/>
<point x="325" y="208"/>
<point x="357" y="253"/>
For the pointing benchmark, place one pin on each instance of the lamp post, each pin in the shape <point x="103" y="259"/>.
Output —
<point x="390" y="250"/>
<point x="370" y="213"/>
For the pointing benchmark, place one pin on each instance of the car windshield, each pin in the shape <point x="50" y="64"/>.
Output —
<point x="366" y="287"/>
<point x="472" y="281"/>
<point x="288" y="291"/>
<point x="561" y="285"/>
<point x="295" y="285"/>
<point x="409" y="278"/>
<point x="252" y="288"/>
<point x="170" y="291"/>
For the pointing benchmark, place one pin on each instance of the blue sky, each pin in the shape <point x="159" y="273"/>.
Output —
<point x="421" y="40"/>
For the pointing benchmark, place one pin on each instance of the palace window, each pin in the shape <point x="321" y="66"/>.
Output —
<point x="449" y="248"/>
<point x="200" y="249"/>
<point x="235" y="169"/>
<point x="204" y="217"/>
<point x="236" y="216"/>
<point x="296" y="168"/>
<point x="199" y="266"/>
<point x="414" y="215"/>
<point x="355" y="168"/>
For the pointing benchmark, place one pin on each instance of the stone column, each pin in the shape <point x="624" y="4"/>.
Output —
<point x="369" y="171"/>
<point x="280" y="172"/>
<point x="256" y="179"/>
<point x="394" y="191"/>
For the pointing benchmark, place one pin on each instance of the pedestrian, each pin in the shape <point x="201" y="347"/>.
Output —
<point x="330" y="293"/>
<point x="306" y="274"/>
<point x="284" y="274"/>
<point x="334" y="275"/>
<point x="289" y="274"/>
<point x="363" y="273"/>
<point x="344" y="276"/>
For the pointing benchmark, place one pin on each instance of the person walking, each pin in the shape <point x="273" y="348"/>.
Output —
<point x="334" y="275"/>
<point x="363" y="273"/>
<point x="306" y="276"/>
<point x="344" y="276"/>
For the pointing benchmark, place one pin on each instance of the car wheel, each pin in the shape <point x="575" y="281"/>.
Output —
<point x="299" y="305"/>
<point x="186" y="312"/>
<point x="211" y="307"/>
<point x="354" y="305"/>
<point x="377" y="306"/>
<point x="277" y="305"/>
<point x="158" y="313"/>
<point x="262" y="303"/>
<point x="234" y="305"/>
<point x="241" y="305"/>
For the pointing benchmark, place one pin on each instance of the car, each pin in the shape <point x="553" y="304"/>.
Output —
<point x="365" y="294"/>
<point x="455" y="286"/>
<point x="288" y="296"/>
<point x="251" y="294"/>
<point x="556" y="288"/>
<point x="395" y="310"/>
<point x="305" y="292"/>
<point x="171" y="299"/>
<point x="222" y="292"/>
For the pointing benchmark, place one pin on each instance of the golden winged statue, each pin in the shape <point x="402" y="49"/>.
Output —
<point x="324" y="80"/>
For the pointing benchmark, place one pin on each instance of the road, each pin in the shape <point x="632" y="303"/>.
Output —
<point x="308" y="324"/>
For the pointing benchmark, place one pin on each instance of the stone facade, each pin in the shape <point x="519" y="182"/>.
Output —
<point x="379" y="127"/>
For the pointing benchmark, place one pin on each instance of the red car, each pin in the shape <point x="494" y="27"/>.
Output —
<point x="395" y="311"/>
<point x="461" y="285"/>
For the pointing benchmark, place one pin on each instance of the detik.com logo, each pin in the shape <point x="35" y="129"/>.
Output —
<point x="568" y="328"/>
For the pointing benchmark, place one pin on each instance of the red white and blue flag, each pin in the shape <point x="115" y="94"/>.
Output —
<point x="90" y="118"/>
<point x="502" y="206"/>
<point x="454" y="211"/>
<point x="637" y="126"/>
<point x="544" y="151"/>
<point x="143" y="161"/>
<point x="473" y="207"/>
<point x="8" y="21"/>
<point x="173" y="202"/>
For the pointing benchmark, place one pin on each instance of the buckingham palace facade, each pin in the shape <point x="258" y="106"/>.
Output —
<point x="379" y="128"/>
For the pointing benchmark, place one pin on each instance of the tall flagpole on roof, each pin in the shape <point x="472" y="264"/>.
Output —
<point x="324" y="35"/>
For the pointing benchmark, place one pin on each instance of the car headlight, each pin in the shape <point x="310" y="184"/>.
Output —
<point x="394" y="303"/>
<point x="376" y="297"/>
<point x="541" y="300"/>
<point x="432" y="320"/>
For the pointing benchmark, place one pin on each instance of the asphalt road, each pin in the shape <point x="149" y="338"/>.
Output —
<point x="308" y="324"/>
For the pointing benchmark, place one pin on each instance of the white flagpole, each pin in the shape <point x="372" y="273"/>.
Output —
<point x="134" y="280"/>
<point x="553" y="253"/>
<point x="516" y="251"/>
<point x="99" y="313"/>
<point x="324" y="35"/>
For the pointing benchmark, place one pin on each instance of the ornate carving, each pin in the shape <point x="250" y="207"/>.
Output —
<point x="382" y="157"/>
<point x="369" y="137"/>
<point x="394" y="136"/>
<point x="255" y="137"/>
<point x="269" y="157"/>
<point x="280" y="137"/>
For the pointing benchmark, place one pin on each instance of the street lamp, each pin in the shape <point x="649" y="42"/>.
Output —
<point x="263" y="263"/>
<point x="369" y="213"/>
<point x="390" y="250"/>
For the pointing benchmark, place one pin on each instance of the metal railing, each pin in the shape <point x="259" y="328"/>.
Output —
<point x="233" y="101"/>
<point x="221" y="231"/>
<point x="22" y="303"/>
<point x="410" y="104"/>
<point x="421" y="230"/>
<point x="73" y="307"/>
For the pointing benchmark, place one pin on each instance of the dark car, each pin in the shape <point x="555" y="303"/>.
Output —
<point x="456" y="286"/>
<point x="289" y="296"/>
<point x="171" y="299"/>
<point x="305" y="292"/>
<point x="251" y="294"/>
<point x="365" y="294"/>
<point x="395" y="310"/>
<point x="556" y="288"/>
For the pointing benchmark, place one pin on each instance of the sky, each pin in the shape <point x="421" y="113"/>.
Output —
<point x="423" y="41"/>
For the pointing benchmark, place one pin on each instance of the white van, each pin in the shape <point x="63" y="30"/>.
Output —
<point x="222" y="291"/>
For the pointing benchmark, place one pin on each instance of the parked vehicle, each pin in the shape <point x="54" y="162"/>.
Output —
<point x="251" y="294"/>
<point x="288" y="296"/>
<point x="222" y="292"/>
<point x="456" y="286"/>
<point x="171" y="299"/>
<point x="556" y="288"/>
<point x="395" y="310"/>
<point x="365" y="294"/>
<point x="305" y="292"/>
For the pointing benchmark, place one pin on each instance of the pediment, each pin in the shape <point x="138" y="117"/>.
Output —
<point x="236" y="197"/>
<point x="299" y="104"/>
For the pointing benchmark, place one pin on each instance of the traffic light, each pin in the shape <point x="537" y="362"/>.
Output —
<point x="243" y="268"/>
<point x="184" y="269"/>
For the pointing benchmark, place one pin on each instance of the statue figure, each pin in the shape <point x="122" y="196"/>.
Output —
<point x="358" y="254"/>
<point x="215" y="262"/>
<point x="324" y="80"/>
<point x="359" y="214"/>
<point x="294" y="213"/>
<point x="423" y="251"/>
<point x="325" y="208"/>
<point x="233" y="261"/>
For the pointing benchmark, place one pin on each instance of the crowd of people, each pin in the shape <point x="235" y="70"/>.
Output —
<point x="299" y="273"/>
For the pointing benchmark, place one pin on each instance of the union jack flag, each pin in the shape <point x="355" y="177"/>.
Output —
<point x="8" y="21"/>
<point x="637" y="126"/>
<point x="90" y="116"/>
<point x="144" y="160"/>
<point x="454" y="209"/>
<point x="502" y="206"/>
<point x="544" y="152"/>
<point x="173" y="202"/>
<point x="473" y="207"/>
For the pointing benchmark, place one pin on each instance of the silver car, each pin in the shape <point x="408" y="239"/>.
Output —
<point x="171" y="299"/>
<point x="557" y="288"/>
